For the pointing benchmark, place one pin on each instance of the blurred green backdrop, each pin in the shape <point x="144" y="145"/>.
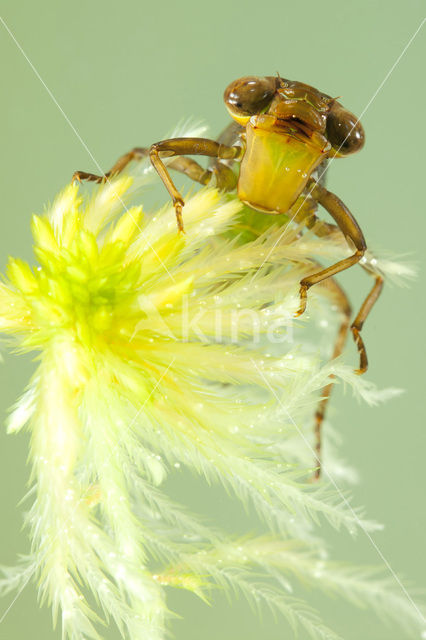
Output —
<point x="124" y="74"/>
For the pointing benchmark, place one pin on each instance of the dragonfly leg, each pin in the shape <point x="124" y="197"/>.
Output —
<point x="342" y="301"/>
<point x="183" y="147"/>
<point x="324" y="229"/>
<point x="305" y="213"/>
<point x="223" y="176"/>
<point x="358" y="323"/>
<point x="353" y="234"/>
<point x="185" y="165"/>
<point x="344" y="306"/>
<point x="135" y="154"/>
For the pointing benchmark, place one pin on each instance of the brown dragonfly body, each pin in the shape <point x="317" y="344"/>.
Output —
<point x="282" y="134"/>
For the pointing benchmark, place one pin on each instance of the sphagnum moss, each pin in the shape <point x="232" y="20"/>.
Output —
<point x="155" y="352"/>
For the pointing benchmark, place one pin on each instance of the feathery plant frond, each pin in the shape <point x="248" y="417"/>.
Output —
<point x="158" y="351"/>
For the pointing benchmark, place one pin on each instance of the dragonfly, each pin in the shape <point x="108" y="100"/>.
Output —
<point x="282" y="135"/>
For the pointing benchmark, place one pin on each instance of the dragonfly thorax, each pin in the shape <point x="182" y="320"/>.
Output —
<point x="276" y="165"/>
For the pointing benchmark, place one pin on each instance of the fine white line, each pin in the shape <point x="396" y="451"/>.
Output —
<point x="80" y="139"/>
<point x="146" y="400"/>
<point x="374" y="96"/>
<point x="16" y="597"/>
<point x="124" y="206"/>
<point x="343" y="497"/>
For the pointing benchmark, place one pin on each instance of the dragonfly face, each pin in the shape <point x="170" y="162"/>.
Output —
<point x="297" y="107"/>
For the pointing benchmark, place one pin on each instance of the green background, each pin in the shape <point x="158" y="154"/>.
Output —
<point x="125" y="74"/>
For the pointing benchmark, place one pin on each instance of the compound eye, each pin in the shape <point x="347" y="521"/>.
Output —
<point x="344" y="132"/>
<point x="249" y="96"/>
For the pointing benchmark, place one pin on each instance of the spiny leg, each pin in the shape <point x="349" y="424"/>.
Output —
<point x="361" y="317"/>
<point x="190" y="146"/>
<point x="306" y="214"/>
<point x="304" y="211"/>
<point x="343" y="303"/>
<point x="225" y="178"/>
<point x="223" y="175"/>
<point x="135" y="154"/>
<point x="353" y="234"/>
<point x="323" y="229"/>
<point x="184" y="165"/>
<point x="229" y="136"/>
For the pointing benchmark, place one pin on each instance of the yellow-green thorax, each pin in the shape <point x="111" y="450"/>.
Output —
<point x="276" y="165"/>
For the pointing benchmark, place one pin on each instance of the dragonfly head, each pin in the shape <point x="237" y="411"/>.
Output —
<point x="297" y="106"/>
<point x="314" y="111"/>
